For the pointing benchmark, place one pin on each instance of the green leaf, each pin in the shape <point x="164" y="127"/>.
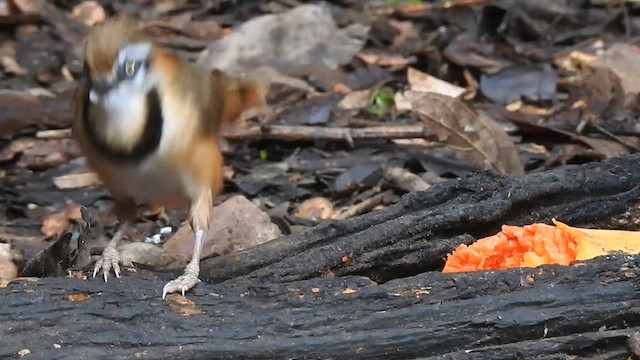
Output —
<point x="380" y="101"/>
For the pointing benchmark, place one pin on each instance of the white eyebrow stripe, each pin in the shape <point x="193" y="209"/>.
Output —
<point x="136" y="51"/>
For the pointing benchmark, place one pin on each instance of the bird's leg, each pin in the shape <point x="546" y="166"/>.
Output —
<point x="125" y="210"/>
<point x="199" y="220"/>
<point x="110" y="257"/>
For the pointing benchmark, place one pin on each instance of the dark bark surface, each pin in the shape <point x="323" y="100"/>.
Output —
<point x="416" y="234"/>
<point x="276" y="300"/>
<point x="552" y="312"/>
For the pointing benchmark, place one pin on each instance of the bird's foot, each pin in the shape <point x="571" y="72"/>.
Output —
<point x="110" y="258"/>
<point x="184" y="282"/>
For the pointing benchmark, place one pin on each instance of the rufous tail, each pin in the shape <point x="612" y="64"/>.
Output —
<point x="240" y="94"/>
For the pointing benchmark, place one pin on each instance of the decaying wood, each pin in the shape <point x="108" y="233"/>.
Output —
<point x="22" y="110"/>
<point x="553" y="312"/>
<point x="317" y="295"/>
<point x="416" y="234"/>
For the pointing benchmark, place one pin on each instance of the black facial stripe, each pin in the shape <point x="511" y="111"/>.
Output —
<point x="146" y="145"/>
<point x="86" y="73"/>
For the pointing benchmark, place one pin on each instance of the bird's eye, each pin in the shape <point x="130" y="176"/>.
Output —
<point x="130" y="68"/>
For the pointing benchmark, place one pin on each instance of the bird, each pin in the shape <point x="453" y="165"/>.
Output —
<point x="149" y="124"/>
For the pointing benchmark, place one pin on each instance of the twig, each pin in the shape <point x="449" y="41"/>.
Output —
<point x="362" y="207"/>
<point x="405" y="179"/>
<point x="295" y="133"/>
<point x="54" y="134"/>
<point x="284" y="132"/>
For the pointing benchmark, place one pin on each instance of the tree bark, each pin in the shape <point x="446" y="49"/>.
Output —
<point x="368" y="287"/>
<point x="552" y="312"/>
<point x="416" y="234"/>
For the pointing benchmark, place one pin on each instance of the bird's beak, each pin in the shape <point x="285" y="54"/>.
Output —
<point x="99" y="87"/>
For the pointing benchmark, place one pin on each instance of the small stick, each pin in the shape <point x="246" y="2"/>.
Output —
<point x="405" y="179"/>
<point x="54" y="134"/>
<point x="294" y="133"/>
<point x="362" y="207"/>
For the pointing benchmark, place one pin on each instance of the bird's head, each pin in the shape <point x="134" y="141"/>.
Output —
<point x="117" y="59"/>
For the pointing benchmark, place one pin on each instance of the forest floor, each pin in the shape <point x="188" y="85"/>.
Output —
<point x="369" y="100"/>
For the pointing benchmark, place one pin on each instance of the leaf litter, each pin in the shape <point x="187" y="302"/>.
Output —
<point x="366" y="104"/>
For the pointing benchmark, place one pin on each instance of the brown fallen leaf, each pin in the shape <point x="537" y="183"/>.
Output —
<point x="421" y="81"/>
<point x="8" y="269"/>
<point x="604" y="147"/>
<point x="88" y="12"/>
<point x="610" y="78"/>
<point x="392" y="61"/>
<point x="57" y="222"/>
<point x="356" y="100"/>
<point x="8" y="59"/>
<point x="348" y="291"/>
<point x="315" y="208"/>
<point x="407" y="31"/>
<point x="473" y="136"/>
<point x="574" y="61"/>
<point x="75" y="181"/>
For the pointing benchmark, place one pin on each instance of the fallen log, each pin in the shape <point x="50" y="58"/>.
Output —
<point x="367" y="287"/>
<point x="416" y="234"/>
<point x="552" y="312"/>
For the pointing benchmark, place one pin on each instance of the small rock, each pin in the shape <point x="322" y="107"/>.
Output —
<point x="236" y="224"/>
<point x="146" y="253"/>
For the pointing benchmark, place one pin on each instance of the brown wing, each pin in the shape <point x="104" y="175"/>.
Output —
<point x="230" y="96"/>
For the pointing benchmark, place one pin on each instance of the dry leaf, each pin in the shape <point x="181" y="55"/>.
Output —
<point x="75" y="181"/>
<point x="8" y="269"/>
<point x="475" y="137"/>
<point x="421" y="81"/>
<point x="55" y="223"/>
<point x="89" y="13"/>
<point x="407" y="31"/>
<point x="356" y="100"/>
<point x="315" y="208"/>
<point x="392" y="61"/>
<point x="8" y="59"/>
<point x="611" y="79"/>
<point x="348" y="291"/>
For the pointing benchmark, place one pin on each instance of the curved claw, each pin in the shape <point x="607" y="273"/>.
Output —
<point x="110" y="259"/>
<point x="184" y="282"/>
